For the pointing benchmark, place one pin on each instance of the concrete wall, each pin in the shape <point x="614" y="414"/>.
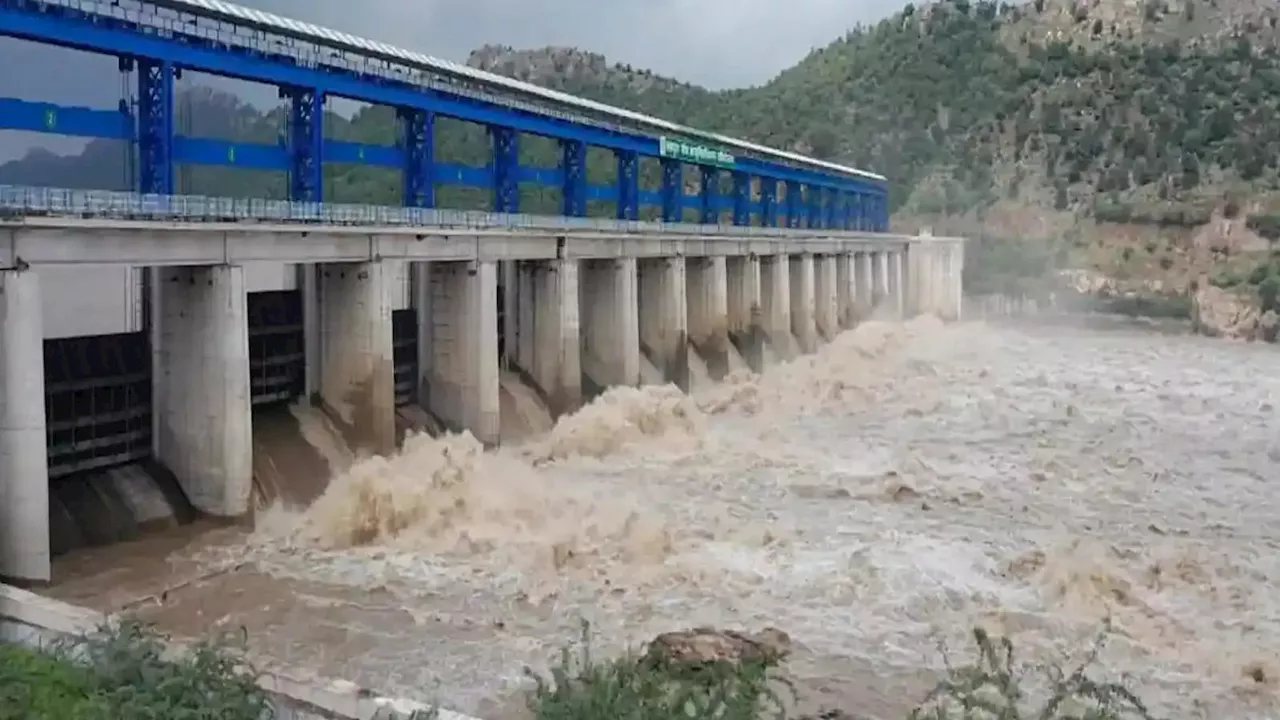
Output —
<point x="90" y="300"/>
<point x="117" y="295"/>
<point x="24" y="475"/>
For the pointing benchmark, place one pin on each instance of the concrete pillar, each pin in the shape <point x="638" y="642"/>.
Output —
<point x="802" y="305"/>
<point x="24" y="460"/>
<point x="203" y="400"/>
<point x="514" y="290"/>
<point x="309" y="286"/>
<point x="460" y="383"/>
<point x="546" y="328"/>
<point x="846" y="290"/>
<point x="745" y="314"/>
<point x="896" y="283"/>
<point x="664" y="317"/>
<point x="957" y="280"/>
<point x="880" y="268"/>
<point x="825" y="296"/>
<point x="775" y="305"/>
<point x="610" y="310"/>
<point x="708" y="305"/>
<point x="865" y="285"/>
<point x="357" y="372"/>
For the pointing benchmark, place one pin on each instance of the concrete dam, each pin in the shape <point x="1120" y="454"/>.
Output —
<point x="153" y="372"/>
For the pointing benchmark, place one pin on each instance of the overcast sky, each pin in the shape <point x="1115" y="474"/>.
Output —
<point x="717" y="43"/>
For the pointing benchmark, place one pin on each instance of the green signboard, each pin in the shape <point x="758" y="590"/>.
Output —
<point x="690" y="153"/>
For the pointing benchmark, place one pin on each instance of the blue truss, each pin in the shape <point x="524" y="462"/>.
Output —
<point x="813" y="198"/>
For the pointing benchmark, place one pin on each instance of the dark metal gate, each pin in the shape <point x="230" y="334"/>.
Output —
<point x="277" y="347"/>
<point x="404" y="339"/>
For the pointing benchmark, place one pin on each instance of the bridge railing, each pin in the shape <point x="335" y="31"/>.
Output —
<point x="19" y="201"/>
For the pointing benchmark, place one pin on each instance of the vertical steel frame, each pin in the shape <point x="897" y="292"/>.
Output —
<point x="741" y="198"/>
<point x="813" y="206"/>
<point x="306" y="144"/>
<point x="672" y="190"/>
<point x="418" y="140"/>
<point x="155" y="126"/>
<point x="795" y="203"/>
<point x="573" y="162"/>
<point x="628" y="185"/>
<point x="831" y="214"/>
<point x="506" y="169"/>
<point x="710" y="212"/>
<point x="768" y="202"/>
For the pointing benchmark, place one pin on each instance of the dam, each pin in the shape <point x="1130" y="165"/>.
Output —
<point x="139" y="348"/>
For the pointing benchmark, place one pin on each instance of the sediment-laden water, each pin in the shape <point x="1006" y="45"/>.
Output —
<point x="908" y="482"/>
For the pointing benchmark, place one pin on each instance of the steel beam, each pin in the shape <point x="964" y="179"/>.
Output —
<point x="741" y="198"/>
<point x="155" y="126"/>
<point x="417" y="142"/>
<point x="506" y="169"/>
<point x="710" y="211"/>
<point x="573" y="163"/>
<point x="628" y="185"/>
<point x="306" y="143"/>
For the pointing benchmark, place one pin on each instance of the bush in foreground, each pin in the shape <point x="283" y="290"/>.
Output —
<point x="122" y="672"/>
<point x="992" y="686"/>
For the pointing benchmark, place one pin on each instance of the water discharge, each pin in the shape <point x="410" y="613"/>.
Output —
<point x="906" y="482"/>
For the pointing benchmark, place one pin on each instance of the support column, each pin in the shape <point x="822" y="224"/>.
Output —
<point x="846" y="290"/>
<point x="896" y="283"/>
<point x="708" y="305"/>
<point x="826" y="303"/>
<point x="24" y="460"/>
<point x="865" y="285"/>
<point x="203" y="398"/>
<point x="957" y="280"/>
<point x="932" y="278"/>
<point x="664" y="317"/>
<point x="919" y="281"/>
<point x="546" y="330"/>
<point x="775" y="305"/>
<point x="802" y="305"/>
<point x="744" y="311"/>
<point x="357" y="372"/>
<point x="881" y="270"/>
<point x="514" y="289"/>
<point x="611" y="328"/>
<point x="460" y="370"/>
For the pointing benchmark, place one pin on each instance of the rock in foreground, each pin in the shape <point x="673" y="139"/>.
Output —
<point x="704" y="646"/>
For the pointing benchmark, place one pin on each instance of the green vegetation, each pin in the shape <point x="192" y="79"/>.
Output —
<point x="992" y="685"/>
<point x="120" y="673"/>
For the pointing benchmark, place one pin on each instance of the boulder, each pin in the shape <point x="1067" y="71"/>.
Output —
<point x="1221" y="313"/>
<point x="704" y="645"/>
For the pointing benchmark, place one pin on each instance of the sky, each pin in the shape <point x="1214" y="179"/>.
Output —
<point x="716" y="43"/>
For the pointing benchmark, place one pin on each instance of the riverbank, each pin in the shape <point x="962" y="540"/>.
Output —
<point x="127" y="670"/>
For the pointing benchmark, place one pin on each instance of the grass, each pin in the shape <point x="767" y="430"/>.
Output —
<point x="992" y="686"/>
<point x="121" y="672"/>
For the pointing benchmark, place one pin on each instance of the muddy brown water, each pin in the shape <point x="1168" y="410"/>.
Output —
<point x="874" y="501"/>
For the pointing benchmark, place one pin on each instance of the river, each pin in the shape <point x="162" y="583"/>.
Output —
<point x="873" y="501"/>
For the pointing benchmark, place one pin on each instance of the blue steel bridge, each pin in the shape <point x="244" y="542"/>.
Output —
<point x="154" y="41"/>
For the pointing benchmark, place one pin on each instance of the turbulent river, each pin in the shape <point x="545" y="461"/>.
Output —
<point x="874" y="501"/>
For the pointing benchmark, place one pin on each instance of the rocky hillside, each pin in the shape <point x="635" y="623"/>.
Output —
<point x="1134" y="140"/>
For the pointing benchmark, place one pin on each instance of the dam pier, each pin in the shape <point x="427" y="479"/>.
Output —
<point x="367" y="320"/>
